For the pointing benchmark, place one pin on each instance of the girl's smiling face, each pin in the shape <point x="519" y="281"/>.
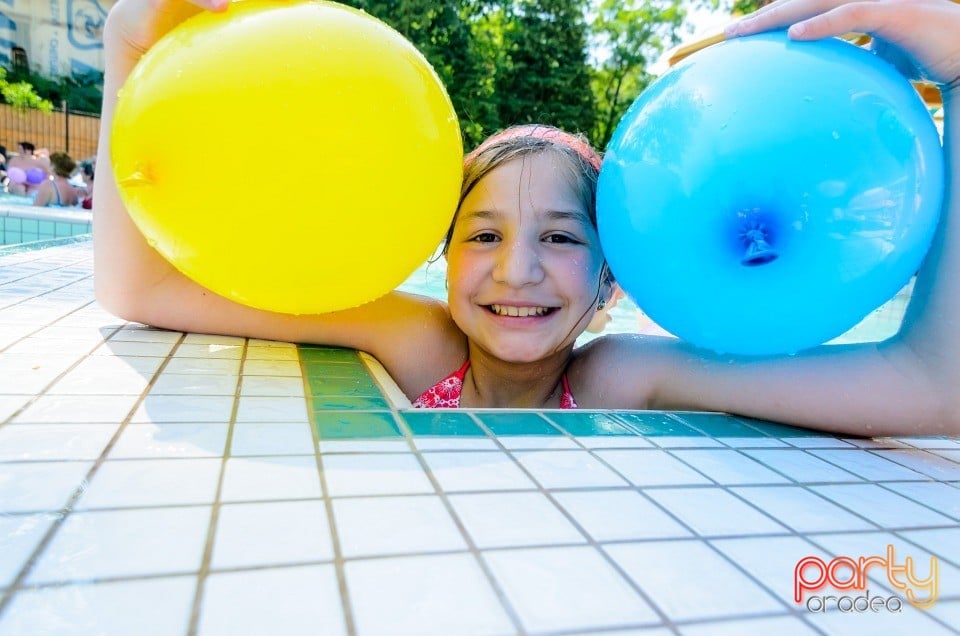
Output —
<point x="524" y="264"/>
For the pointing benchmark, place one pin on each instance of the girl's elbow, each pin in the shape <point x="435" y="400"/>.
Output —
<point x="951" y="417"/>
<point x="111" y="301"/>
<point x="122" y="304"/>
<point x="941" y="417"/>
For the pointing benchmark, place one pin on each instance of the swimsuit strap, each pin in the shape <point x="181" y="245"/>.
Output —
<point x="57" y="190"/>
<point x="461" y="373"/>
<point x="445" y="394"/>
<point x="567" y="400"/>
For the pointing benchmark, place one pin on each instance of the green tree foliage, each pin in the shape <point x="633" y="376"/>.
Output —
<point x="443" y="32"/>
<point x="503" y="61"/>
<point x="21" y="95"/>
<point x="81" y="92"/>
<point x="743" y="7"/>
<point x="516" y="61"/>
<point x="544" y="75"/>
<point x="630" y="35"/>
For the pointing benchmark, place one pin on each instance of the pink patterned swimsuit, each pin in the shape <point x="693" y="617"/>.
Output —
<point x="445" y="394"/>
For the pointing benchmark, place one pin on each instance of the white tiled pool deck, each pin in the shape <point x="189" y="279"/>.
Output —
<point x="159" y="483"/>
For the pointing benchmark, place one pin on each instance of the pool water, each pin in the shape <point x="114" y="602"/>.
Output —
<point x="21" y="223"/>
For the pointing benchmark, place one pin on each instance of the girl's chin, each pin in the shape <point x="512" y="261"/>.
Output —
<point x="517" y="353"/>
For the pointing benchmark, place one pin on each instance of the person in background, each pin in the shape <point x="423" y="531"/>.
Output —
<point x="58" y="190"/>
<point x="602" y="317"/>
<point x="26" y="161"/>
<point x="86" y="172"/>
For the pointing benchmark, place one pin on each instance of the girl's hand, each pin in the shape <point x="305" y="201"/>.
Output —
<point x="133" y="26"/>
<point x="927" y="30"/>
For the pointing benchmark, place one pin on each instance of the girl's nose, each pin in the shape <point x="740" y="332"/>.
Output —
<point x="518" y="264"/>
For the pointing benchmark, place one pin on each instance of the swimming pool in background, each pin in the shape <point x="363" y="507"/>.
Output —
<point x="21" y="223"/>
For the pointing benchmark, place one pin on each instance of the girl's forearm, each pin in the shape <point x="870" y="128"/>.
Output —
<point x="124" y="264"/>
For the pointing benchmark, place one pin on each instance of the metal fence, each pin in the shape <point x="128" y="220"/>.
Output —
<point x="60" y="131"/>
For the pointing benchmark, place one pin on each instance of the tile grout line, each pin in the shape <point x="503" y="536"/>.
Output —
<point x="382" y="557"/>
<point x="48" y="290"/>
<point x="338" y="560"/>
<point x="82" y="357"/>
<point x="791" y="532"/>
<point x="203" y="572"/>
<point x="472" y="548"/>
<point x="665" y="620"/>
<point x="67" y="508"/>
<point x="77" y="259"/>
<point x="696" y="535"/>
<point x="809" y="537"/>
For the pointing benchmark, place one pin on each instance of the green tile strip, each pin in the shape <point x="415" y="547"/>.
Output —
<point x="591" y="424"/>
<point x="782" y="430"/>
<point x="344" y="402"/>
<point x="719" y="425"/>
<point x="355" y="425"/>
<point x="524" y="423"/>
<point x="441" y="423"/>
<point x="657" y="425"/>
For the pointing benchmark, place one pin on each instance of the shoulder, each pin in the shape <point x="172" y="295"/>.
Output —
<point x="44" y="193"/>
<point x="422" y="344"/>
<point x="625" y="371"/>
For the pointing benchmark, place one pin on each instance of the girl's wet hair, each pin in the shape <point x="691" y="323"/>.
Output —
<point x="582" y="161"/>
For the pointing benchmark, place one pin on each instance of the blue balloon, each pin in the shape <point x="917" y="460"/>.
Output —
<point x="765" y="195"/>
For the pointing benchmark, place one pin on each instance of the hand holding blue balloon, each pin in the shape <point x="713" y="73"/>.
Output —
<point x="765" y="195"/>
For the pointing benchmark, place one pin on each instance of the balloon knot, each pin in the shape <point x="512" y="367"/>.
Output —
<point x="759" y="251"/>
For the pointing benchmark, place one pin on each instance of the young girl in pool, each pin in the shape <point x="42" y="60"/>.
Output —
<point x="526" y="275"/>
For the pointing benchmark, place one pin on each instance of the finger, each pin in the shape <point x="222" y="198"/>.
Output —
<point x="864" y="17"/>
<point x="780" y="14"/>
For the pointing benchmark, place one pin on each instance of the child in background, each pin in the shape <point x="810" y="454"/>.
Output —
<point x="603" y="318"/>
<point x="86" y="173"/>
<point x="526" y="275"/>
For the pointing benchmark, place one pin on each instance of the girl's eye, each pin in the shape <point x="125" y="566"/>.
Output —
<point x="560" y="239"/>
<point x="485" y="237"/>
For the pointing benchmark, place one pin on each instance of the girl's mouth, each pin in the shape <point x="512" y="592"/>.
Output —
<point x="520" y="312"/>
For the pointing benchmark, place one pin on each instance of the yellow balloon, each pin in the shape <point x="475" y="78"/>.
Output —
<point x="300" y="157"/>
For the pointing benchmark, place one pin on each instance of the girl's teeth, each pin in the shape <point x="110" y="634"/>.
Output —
<point x="520" y="312"/>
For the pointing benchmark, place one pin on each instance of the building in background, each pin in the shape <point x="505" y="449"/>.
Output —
<point x="53" y="37"/>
